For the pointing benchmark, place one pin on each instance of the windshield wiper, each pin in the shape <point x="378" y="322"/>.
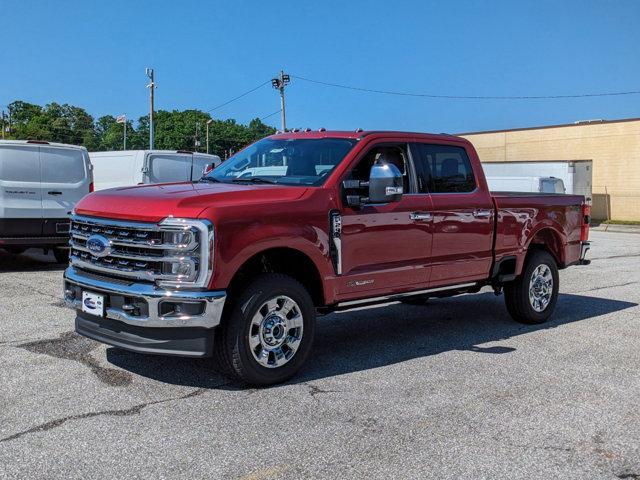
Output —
<point x="253" y="180"/>
<point x="209" y="179"/>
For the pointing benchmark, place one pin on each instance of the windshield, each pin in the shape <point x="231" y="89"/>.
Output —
<point x="287" y="162"/>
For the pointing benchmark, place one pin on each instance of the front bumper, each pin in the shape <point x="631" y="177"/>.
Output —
<point x="145" y="318"/>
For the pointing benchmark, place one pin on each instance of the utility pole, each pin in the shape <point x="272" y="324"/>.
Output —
<point x="123" y="119"/>
<point x="279" y="83"/>
<point x="196" y="142"/>
<point x="208" y="123"/>
<point x="151" y="87"/>
<point x="3" y="124"/>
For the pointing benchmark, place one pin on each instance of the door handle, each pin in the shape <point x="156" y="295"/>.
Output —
<point x="420" y="216"/>
<point x="482" y="213"/>
<point x="54" y="193"/>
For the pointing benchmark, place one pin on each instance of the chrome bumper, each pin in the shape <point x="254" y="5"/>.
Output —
<point x="586" y="246"/>
<point x="212" y="302"/>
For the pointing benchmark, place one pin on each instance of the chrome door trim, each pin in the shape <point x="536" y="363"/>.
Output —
<point x="391" y="298"/>
<point x="420" y="216"/>
<point x="482" y="213"/>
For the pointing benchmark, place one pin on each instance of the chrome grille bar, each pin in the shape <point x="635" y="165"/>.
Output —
<point x="144" y="251"/>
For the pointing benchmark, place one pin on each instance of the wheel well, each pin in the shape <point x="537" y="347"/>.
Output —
<point x="286" y="261"/>
<point x="549" y="240"/>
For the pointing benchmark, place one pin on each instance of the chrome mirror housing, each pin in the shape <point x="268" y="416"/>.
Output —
<point x="385" y="183"/>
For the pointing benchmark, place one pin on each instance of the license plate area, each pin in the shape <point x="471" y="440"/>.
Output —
<point x="93" y="303"/>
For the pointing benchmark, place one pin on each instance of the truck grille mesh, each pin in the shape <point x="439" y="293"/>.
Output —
<point x="135" y="250"/>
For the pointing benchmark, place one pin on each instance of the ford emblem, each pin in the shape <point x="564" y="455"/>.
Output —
<point x="99" y="246"/>
<point x="90" y="304"/>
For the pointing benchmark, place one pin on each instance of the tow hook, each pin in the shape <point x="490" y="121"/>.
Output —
<point x="497" y="290"/>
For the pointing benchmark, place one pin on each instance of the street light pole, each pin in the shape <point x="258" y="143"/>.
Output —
<point x="151" y="87"/>
<point x="208" y="123"/>
<point x="279" y="83"/>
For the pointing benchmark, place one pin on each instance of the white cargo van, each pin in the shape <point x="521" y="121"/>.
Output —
<point x="135" y="167"/>
<point x="40" y="183"/>
<point x="572" y="176"/>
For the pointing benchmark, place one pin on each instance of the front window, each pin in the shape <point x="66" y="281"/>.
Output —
<point x="287" y="162"/>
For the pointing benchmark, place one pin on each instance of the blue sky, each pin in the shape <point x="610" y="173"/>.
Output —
<point x="93" y="54"/>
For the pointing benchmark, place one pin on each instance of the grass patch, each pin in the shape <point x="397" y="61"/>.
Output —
<point x="621" y="222"/>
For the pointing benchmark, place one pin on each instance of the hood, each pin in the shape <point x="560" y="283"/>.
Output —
<point x="152" y="203"/>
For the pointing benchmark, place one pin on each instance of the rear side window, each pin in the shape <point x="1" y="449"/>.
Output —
<point x="169" y="168"/>
<point x="19" y="164"/>
<point x="61" y="165"/>
<point x="444" y="169"/>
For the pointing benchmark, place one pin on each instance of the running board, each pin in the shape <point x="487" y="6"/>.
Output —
<point x="398" y="296"/>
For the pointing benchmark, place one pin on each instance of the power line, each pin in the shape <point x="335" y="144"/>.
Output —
<point x="465" y="97"/>
<point x="239" y="96"/>
<point x="270" y="115"/>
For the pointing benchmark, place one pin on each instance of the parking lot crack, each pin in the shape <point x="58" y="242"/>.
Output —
<point x="607" y="286"/>
<point x="314" y="390"/>
<point x="136" y="409"/>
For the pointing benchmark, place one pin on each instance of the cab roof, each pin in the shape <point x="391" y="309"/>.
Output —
<point x="359" y="134"/>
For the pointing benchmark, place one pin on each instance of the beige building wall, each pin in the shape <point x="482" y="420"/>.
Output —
<point x="613" y="146"/>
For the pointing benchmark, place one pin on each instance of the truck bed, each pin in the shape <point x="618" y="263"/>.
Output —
<point x="528" y="218"/>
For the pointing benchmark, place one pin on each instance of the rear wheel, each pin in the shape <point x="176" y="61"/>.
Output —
<point x="61" y="255"/>
<point x="532" y="297"/>
<point x="268" y="334"/>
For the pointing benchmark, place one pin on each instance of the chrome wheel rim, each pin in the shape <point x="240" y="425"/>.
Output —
<point x="540" y="288"/>
<point x="276" y="331"/>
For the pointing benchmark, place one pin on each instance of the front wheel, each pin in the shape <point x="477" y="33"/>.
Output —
<point x="268" y="334"/>
<point x="532" y="297"/>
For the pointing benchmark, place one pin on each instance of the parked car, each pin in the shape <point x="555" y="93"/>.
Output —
<point x="40" y="183"/>
<point x="238" y="266"/>
<point x="124" y="168"/>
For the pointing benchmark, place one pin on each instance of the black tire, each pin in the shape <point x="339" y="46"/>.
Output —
<point x="16" y="250"/>
<point x="419" y="300"/>
<point x="516" y="293"/>
<point x="232" y="346"/>
<point x="61" y="255"/>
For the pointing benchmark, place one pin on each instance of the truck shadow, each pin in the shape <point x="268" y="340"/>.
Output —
<point x="33" y="260"/>
<point x="369" y="338"/>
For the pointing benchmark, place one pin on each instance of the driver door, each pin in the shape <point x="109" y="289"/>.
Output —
<point x="386" y="247"/>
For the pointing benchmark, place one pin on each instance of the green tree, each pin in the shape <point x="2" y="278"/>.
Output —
<point x="174" y="130"/>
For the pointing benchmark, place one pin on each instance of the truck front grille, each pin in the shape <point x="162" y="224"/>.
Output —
<point x="173" y="252"/>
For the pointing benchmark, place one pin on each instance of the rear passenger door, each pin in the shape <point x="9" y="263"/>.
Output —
<point x="65" y="180"/>
<point x="462" y="214"/>
<point x="20" y="191"/>
<point x="168" y="167"/>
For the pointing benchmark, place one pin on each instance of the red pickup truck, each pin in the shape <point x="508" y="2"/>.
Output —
<point x="238" y="264"/>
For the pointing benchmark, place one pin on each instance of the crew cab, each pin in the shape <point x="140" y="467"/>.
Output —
<point x="239" y="263"/>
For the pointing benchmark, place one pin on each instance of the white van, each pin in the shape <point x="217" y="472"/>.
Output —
<point x="136" y="167"/>
<point x="40" y="183"/>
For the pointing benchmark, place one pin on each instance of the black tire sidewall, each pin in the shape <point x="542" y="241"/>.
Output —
<point x="259" y="291"/>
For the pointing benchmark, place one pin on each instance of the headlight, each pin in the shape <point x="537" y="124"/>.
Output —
<point x="188" y="258"/>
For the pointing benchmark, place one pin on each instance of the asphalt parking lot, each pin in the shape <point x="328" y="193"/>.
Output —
<point x="454" y="389"/>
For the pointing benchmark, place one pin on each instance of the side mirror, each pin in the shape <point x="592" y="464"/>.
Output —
<point x="385" y="183"/>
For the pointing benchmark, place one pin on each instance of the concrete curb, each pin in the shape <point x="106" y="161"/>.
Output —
<point x="608" y="227"/>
